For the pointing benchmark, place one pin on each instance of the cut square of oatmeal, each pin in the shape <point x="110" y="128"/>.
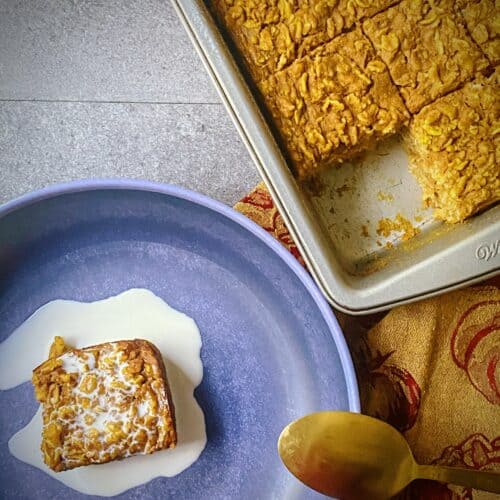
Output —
<point x="270" y="35"/>
<point x="426" y="48"/>
<point x="333" y="104"/>
<point x="454" y="146"/>
<point x="482" y="18"/>
<point x="103" y="403"/>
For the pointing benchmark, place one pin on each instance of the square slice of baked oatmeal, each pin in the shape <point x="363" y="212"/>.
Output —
<point x="482" y="18"/>
<point x="333" y="104"/>
<point x="454" y="146"/>
<point x="103" y="403"/>
<point x="426" y="47"/>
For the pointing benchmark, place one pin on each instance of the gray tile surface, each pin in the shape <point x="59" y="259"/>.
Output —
<point x="110" y="88"/>
<point x="191" y="145"/>
<point x="112" y="50"/>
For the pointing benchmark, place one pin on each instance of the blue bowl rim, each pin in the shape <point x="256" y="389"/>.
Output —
<point x="56" y="190"/>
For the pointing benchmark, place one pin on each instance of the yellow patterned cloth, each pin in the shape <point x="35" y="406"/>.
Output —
<point x="431" y="369"/>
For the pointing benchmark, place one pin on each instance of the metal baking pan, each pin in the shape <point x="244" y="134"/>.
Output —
<point x="335" y="221"/>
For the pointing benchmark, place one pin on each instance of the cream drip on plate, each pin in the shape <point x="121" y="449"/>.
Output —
<point x="136" y="313"/>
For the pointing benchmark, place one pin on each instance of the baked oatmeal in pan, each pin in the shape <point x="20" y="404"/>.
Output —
<point x="482" y="18"/>
<point x="454" y="146"/>
<point x="339" y="76"/>
<point x="334" y="103"/>
<point x="427" y="49"/>
<point x="270" y="35"/>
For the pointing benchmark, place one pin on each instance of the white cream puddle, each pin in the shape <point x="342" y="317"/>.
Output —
<point x="136" y="313"/>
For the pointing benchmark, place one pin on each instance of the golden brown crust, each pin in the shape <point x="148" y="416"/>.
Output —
<point x="263" y="12"/>
<point x="333" y="104"/>
<point x="426" y="48"/>
<point x="454" y="146"/>
<point x="482" y="18"/>
<point x="103" y="403"/>
<point x="270" y="35"/>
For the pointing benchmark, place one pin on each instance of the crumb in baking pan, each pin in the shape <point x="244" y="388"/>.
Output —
<point x="333" y="104"/>
<point x="270" y="35"/>
<point x="381" y="196"/>
<point x="454" y="147"/>
<point x="426" y="47"/>
<point x="103" y="403"/>
<point x="399" y="224"/>
<point x="482" y="18"/>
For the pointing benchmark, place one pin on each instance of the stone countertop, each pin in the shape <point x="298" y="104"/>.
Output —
<point x="92" y="89"/>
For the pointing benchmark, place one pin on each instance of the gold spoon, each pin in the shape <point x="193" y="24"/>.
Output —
<point x="348" y="455"/>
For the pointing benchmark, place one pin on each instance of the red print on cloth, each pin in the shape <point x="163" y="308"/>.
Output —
<point x="423" y="489"/>
<point x="266" y="214"/>
<point x="475" y="452"/>
<point x="401" y="407"/>
<point x="388" y="392"/>
<point x="475" y="347"/>
<point x="259" y="198"/>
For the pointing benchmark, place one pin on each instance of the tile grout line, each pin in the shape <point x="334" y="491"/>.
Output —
<point x="77" y="101"/>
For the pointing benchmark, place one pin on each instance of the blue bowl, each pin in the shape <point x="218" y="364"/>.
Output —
<point x="272" y="349"/>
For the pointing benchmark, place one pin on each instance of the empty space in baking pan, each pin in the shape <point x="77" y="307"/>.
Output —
<point x="370" y="206"/>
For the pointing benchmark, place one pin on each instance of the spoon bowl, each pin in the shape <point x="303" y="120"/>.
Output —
<point x="348" y="455"/>
<point x="335" y="454"/>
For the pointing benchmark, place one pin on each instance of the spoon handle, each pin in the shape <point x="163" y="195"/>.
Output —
<point x="480" y="480"/>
